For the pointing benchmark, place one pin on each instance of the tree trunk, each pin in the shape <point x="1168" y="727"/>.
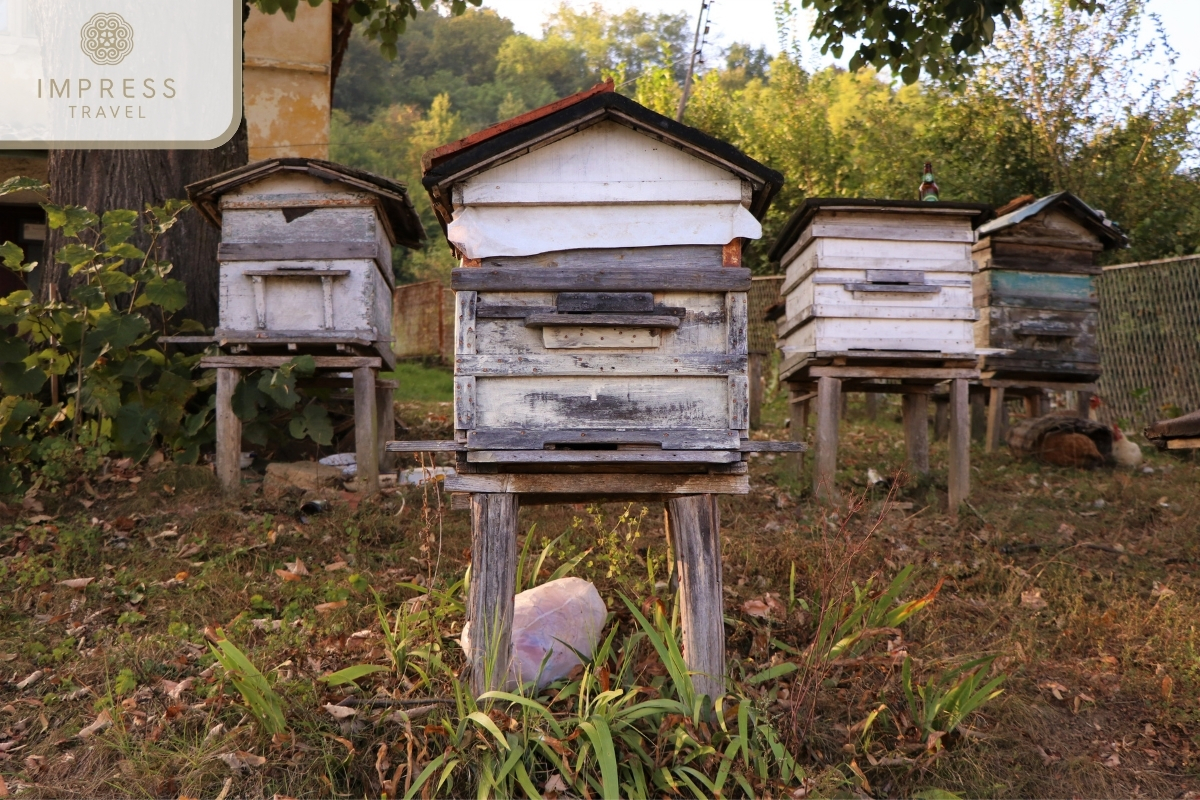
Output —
<point x="103" y="180"/>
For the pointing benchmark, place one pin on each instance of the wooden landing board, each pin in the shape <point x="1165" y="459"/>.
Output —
<point x="611" y="279"/>
<point x="600" y="484"/>
<point x="272" y="362"/>
<point x="599" y="457"/>
<point x="520" y="439"/>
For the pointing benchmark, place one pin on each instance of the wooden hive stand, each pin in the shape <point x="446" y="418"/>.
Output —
<point x="374" y="413"/>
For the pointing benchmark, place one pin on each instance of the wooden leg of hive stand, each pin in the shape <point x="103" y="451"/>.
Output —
<point x="916" y="431"/>
<point x="1033" y="404"/>
<point x="385" y="410"/>
<point x="825" y="460"/>
<point x="695" y="530"/>
<point x="229" y="431"/>
<point x="1083" y="404"/>
<point x="941" y="417"/>
<point x="978" y="417"/>
<point x="995" y="428"/>
<point x="960" y="445"/>
<point x="872" y="405"/>
<point x="366" y="431"/>
<point x="492" y="588"/>
<point x="755" y="375"/>
<point x="798" y="414"/>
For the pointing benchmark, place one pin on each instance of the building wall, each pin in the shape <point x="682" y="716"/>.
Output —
<point x="286" y="82"/>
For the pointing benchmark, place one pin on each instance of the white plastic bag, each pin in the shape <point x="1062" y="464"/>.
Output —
<point x="546" y="619"/>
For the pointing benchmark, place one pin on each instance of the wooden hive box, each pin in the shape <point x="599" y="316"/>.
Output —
<point x="306" y="254"/>
<point x="1036" y="291"/>
<point x="601" y="305"/>
<point x="877" y="277"/>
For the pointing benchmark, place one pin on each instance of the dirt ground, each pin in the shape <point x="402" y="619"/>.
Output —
<point x="1082" y="584"/>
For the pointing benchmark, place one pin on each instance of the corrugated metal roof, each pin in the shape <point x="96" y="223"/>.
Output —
<point x="1090" y="217"/>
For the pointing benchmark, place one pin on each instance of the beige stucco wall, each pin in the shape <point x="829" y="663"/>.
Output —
<point x="286" y="82"/>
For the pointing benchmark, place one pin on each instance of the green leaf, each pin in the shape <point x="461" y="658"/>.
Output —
<point x="601" y="738"/>
<point x="14" y="257"/>
<point x="15" y="379"/>
<point x="304" y="366"/>
<point x="76" y="256"/>
<point x="12" y="349"/>
<point x="120" y="330"/>
<point x="280" y="386"/>
<point x="135" y="425"/>
<point x="247" y="400"/>
<point x="168" y="293"/>
<point x="777" y="671"/>
<point x="22" y="184"/>
<point x="72" y="219"/>
<point x="314" y="423"/>
<point x="485" y="722"/>
<point x="352" y="674"/>
<point x="115" y="282"/>
<point x="124" y="250"/>
<point x="88" y="295"/>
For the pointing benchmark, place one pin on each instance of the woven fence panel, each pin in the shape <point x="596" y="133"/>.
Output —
<point x="423" y="321"/>
<point x="764" y="293"/>
<point x="1150" y="340"/>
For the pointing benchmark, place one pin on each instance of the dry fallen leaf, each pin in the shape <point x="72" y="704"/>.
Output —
<point x="76" y="583"/>
<point x="31" y="679"/>
<point x="335" y="566"/>
<point x="287" y="575"/>
<point x="1113" y="761"/>
<point x="339" y="712"/>
<point x="326" y="607"/>
<point x="1168" y="687"/>
<point x="296" y="567"/>
<point x="1055" y="688"/>
<point x="1032" y="600"/>
<point x="241" y="760"/>
<point x="102" y="722"/>
<point x="1159" y="592"/>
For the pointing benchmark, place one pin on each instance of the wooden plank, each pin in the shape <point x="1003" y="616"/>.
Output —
<point x="894" y="288"/>
<point x="271" y="362"/>
<point x="941" y="417"/>
<point x="628" y="364"/>
<point x="901" y="233"/>
<point x="739" y="402"/>
<point x="689" y="256"/>
<point x="296" y="251"/>
<point x="754" y="376"/>
<point x="915" y="413"/>
<point x="623" y="279"/>
<point x="825" y="467"/>
<point x="959" y="481"/>
<point x="1183" y="444"/>
<point x="599" y="457"/>
<point x="464" y="322"/>
<point x="509" y="311"/>
<point x="483" y="193"/>
<point x="737" y="322"/>
<point x="731" y="253"/>
<point x="995" y="422"/>
<point x="229" y="431"/>
<point x="929" y="373"/>
<point x="385" y="408"/>
<point x="601" y="320"/>
<point x="879" y="312"/>
<point x="758" y="446"/>
<point x="599" y="484"/>
<point x="1057" y="386"/>
<point x="605" y="302"/>
<point x="492" y="588"/>
<point x="900" y="276"/>
<point x="798" y="418"/>
<point x="606" y="338"/>
<point x="366" y="431"/>
<point x="360" y="336"/>
<point x="464" y="402"/>
<point x="694" y="528"/>
<point x="519" y="439"/>
<point x="439" y="446"/>
<point x="296" y="272"/>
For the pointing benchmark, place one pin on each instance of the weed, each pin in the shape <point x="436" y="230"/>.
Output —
<point x="261" y="700"/>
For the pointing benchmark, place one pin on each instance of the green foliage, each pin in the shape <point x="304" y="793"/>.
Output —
<point x="260" y="699"/>
<point x="949" y="698"/>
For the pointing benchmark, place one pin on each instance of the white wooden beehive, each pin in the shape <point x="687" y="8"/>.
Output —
<point x="866" y="276"/>
<point x="602" y="301"/>
<point x="306" y="254"/>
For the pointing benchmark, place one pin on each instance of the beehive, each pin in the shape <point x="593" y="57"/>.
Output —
<point x="306" y="254"/>
<point x="601" y="305"/>
<point x="1035" y="289"/>
<point x="877" y="277"/>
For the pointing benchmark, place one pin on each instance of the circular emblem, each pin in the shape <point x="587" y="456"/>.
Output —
<point x="106" y="39"/>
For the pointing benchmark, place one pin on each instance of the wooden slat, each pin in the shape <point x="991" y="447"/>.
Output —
<point x="600" y="457"/>
<point x="935" y="373"/>
<point x="366" y="430"/>
<point x="284" y="272"/>
<point x="1183" y="444"/>
<point x="694" y="525"/>
<point x="623" y="279"/>
<point x="296" y="251"/>
<point x="464" y="402"/>
<point x="739" y="402"/>
<point x="893" y="288"/>
<point x="600" y="338"/>
<point x="438" y="446"/>
<point x="601" y="320"/>
<point x="229" y="431"/>
<point x="492" y="588"/>
<point x="599" y="364"/>
<point x="512" y="439"/>
<point x="959" y="479"/>
<point x="689" y="256"/>
<point x="270" y="362"/>
<point x="825" y="467"/>
<point x="1058" y="386"/>
<point x="509" y="311"/>
<point x="600" y="484"/>
<point x="915" y="414"/>
<point x="465" y="304"/>
<point x="737" y="320"/>
<point x="754" y="446"/>
<point x="605" y="303"/>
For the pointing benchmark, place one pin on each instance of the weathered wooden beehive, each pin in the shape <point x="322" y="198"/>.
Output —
<point x="601" y="305"/>
<point x="877" y="276"/>
<point x="1035" y="289"/>
<point x="306" y="255"/>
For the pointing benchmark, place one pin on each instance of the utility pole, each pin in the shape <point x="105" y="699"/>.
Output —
<point x="701" y="29"/>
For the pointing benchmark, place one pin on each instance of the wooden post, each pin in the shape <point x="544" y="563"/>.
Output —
<point x="492" y="588"/>
<point x="872" y="405"/>
<point x="1034" y="405"/>
<point x="755" y="373"/>
<point x="916" y="431"/>
<point x="978" y="417"/>
<point x="960" y="445"/>
<point x="229" y="431"/>
<point x="825" y="461"/>
<point x="798" y="414"/>
<point x="1083" y="404"/>
<point x="366" y="430"/>
<point x="385" y="409"/>
<point x="941" y="417"/>
<point x="995" y="422"/>
<point x="695" y="530"/>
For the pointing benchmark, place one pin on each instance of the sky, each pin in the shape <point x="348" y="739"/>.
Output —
<point x="753" y="21"/>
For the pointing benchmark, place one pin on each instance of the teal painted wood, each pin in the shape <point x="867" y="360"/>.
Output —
<point x="1079" y="288"/>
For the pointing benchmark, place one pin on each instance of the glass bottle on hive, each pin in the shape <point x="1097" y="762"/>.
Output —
<point x="929" y="188"/>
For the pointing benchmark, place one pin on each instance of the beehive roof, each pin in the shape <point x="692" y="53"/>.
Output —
<point x="393" y="197"/>
<point x="1095" y="221"/>
<point x="979" y="212"/>
<point x="514" y="137"/>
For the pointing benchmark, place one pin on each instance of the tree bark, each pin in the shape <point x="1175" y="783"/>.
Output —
<point x="103" y="180"/>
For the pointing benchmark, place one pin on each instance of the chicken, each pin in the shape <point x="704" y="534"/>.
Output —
<point x="1070" y="450"/>
<point x="1126" y="453"/>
